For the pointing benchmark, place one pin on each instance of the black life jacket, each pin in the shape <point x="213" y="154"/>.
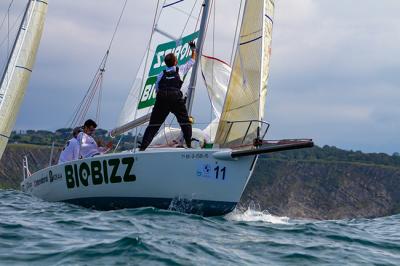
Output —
<point x="170" y="81"/>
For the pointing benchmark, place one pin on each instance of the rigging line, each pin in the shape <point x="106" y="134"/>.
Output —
<point x="198" y="17"/>
<point x="183" y="12"/>
<point x="8" y="29"/>
<point x="91" y="97"/>
<point x="79" y="106"/>
<point x="213" y="62"/>
<point x="171" y="4"/>
<point x="12" y="27"/>
<point x="88" y="103"/>
<point x="119" y="142"/>
<point x="99" y="99"/>
<point x="81" y="111"/>
<point x="236" y="32"/>
<point x="101" y="69"/>
<point x="147" y="54"/>
<point x="117" y="26"/>
<point x="6" y="14"/>
<point x="187" y="21"/>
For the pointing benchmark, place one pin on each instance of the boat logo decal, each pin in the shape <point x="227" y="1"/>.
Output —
<point x="54" y="177"/>
<point x="40" y="181"/>
<point x="99" y="172"/>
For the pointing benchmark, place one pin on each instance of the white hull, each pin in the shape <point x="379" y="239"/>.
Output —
<point x="206" y="185"/>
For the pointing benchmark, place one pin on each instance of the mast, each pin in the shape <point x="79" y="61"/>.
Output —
<point x="200" y="43"/>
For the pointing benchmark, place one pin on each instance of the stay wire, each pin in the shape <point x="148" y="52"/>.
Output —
<point x="14" y="25"/>
<point x="117" y="26"/>
<point x="195" y="29"/>
<point x="236" y="32"/>
<point x="6" y="14"/>
<point x="81" y="110"/>
<point x="146" y="58"/>
<point x="188" y="19"/>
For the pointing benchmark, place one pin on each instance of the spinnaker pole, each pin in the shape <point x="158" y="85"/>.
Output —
<point x="200" y="44"/>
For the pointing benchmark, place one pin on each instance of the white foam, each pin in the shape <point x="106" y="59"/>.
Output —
<point x="253" y="215"/>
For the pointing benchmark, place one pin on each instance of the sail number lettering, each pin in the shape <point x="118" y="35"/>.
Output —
<point x="220" y="173"/>
<point x="206" y="170"/>
<point x="100" y="172"/>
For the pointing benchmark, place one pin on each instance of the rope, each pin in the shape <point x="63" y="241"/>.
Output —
<point x="6" y="14"/>
<point x="236" y="32"/>
<point x="119" y="142"/>
<point x="117" y="26"/>
<point x="100" y="96"/>
<point x="189" y="17"/>
<point x="146" y="56"/>
<point x="96" y="84"/>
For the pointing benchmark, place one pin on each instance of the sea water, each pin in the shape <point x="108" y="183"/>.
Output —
<point x="35" y="232"/>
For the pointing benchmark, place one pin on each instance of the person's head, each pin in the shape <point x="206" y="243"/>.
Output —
<point x="76" y="131"/>
<point x="170" y="60"/>
<point x="89" y="126"/>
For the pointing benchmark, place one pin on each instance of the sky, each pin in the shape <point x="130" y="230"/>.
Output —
<point x="333" y="69"/>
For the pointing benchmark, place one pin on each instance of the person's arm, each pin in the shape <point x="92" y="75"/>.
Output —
<point x="75" y="151"/>
<point x="184" y="69"/>
<point x="192" y="46"/>
<point x="104" y="148"/>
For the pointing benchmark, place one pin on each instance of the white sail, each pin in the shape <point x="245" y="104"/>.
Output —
<point x="175" y="26"/>
<point x="216" y="74"/>
<point x="18" y="70"/>
<point x="247" y="89"/>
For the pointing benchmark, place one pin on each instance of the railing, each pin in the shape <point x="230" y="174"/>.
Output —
<point x="250" y="122"/>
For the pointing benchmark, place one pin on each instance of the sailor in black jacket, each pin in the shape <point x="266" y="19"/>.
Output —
<point x="169" y="99"/>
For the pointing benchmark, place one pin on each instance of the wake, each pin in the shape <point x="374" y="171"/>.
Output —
<point x="254" y="214"/>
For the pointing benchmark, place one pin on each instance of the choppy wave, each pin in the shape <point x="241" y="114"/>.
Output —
<point x="43" y="233"/>
<point x="254" y="214"/>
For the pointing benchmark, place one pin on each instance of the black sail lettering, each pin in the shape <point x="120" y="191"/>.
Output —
<point x="128" y="177"/>
<point x="97" y="176"/>
<point x="115" y="164"/>
<point x="84" y="172"/>
<point x="69" y="176"/>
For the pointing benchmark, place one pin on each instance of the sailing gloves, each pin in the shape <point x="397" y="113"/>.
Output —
<point x="192" y="45"/>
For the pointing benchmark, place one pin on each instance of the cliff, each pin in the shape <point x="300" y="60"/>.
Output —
<point x="319" y="183"/>
<point x="324" y="189"/>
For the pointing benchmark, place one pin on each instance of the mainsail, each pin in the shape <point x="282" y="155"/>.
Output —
<point x="175" y="26"/>
<point x="19" y="68"/>
<point x="247" y="89"/>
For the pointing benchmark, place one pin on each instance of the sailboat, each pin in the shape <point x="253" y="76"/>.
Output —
<point x="19" y="67"/>
<point x="208" y="180"/>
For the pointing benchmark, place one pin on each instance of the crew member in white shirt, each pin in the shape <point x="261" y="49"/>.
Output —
<point x="70" y="151"/>
<point x="88" y="146"/>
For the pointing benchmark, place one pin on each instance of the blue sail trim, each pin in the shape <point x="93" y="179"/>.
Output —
<point x="167" y="5"/>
